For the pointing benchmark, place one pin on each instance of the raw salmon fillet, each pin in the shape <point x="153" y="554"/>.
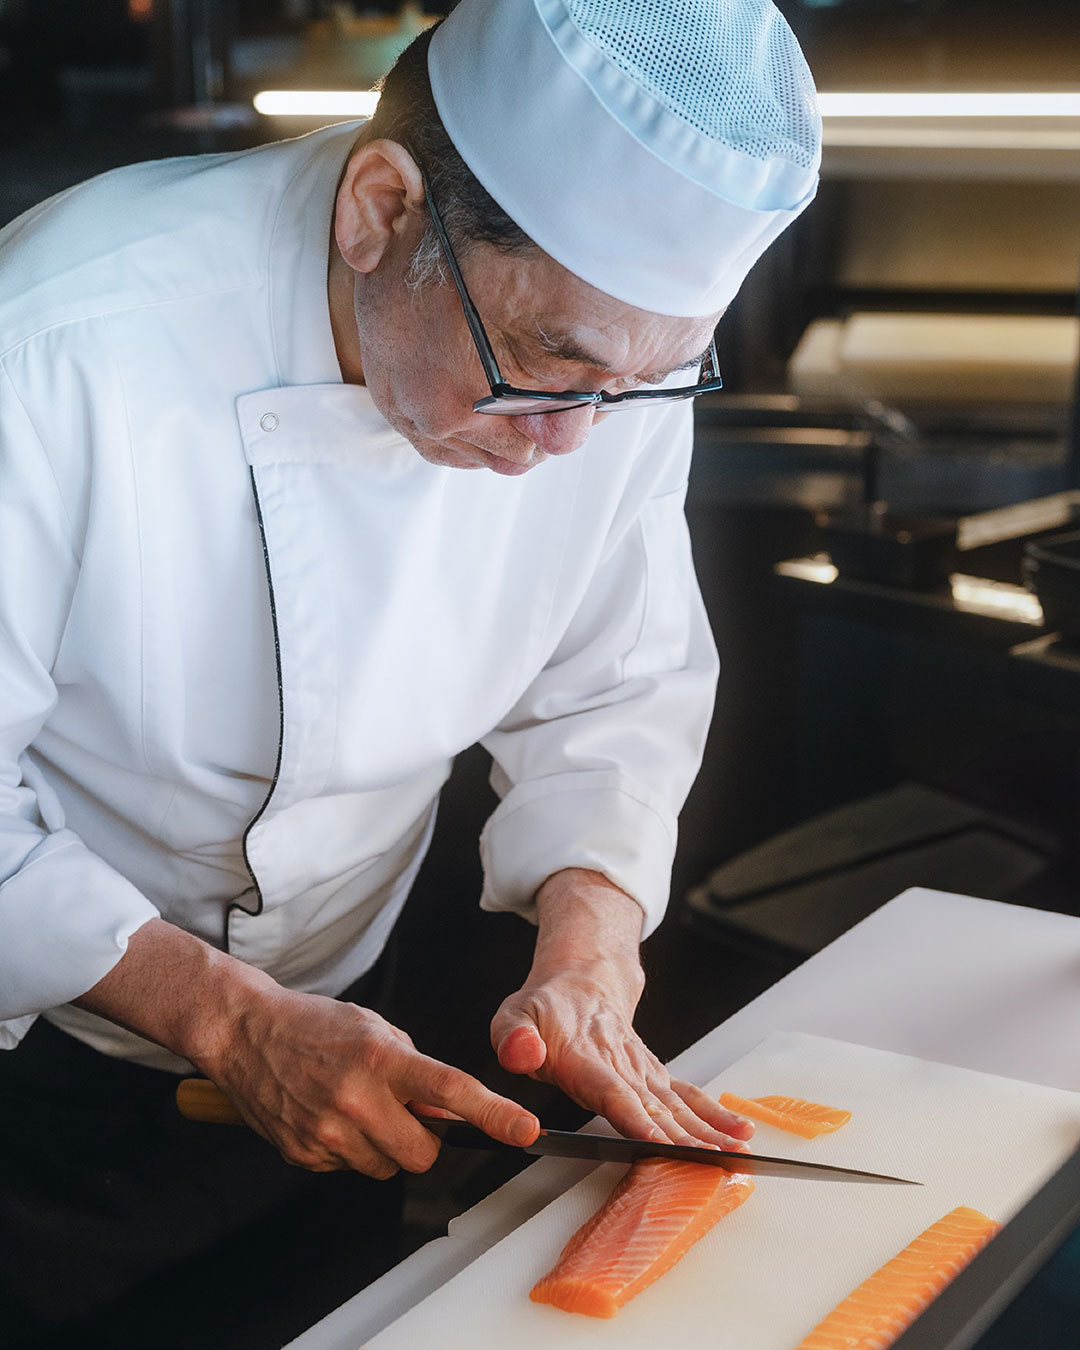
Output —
<point x="653" y="1217"/>
<point x="788" y="1113"/>
<point x="874" y="1314"/>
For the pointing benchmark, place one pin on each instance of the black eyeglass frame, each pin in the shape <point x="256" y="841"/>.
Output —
<point x="708" y="378"/>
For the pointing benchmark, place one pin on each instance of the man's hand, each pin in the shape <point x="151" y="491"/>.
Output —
<point x="327" y="1083"/>
<point x="571" y="1024"/>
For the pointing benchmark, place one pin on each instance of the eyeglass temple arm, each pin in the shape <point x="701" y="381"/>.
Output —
<point x="472" y="318"/>
<point x="713" y="360"/>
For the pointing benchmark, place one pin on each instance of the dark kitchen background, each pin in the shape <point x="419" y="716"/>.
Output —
<point x="876" y="499"/>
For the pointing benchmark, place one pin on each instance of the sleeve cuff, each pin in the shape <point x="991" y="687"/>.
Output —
<point x="65" y="920"/>
<point x="599" y="821"/>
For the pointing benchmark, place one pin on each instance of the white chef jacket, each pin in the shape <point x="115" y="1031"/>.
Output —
<point x="245" y="627"/>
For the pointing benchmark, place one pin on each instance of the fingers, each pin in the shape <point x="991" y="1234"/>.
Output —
<point x="332" y="1093"/>
<point x="683" y="1124"/>
<point x="425" y="1109"/>
<point x="396" y="1135"/>
<point x="659" y="1113"/>
<point x="326" y="1140"/>
<point x="708" y="1109"/>
<point x="409" y="1076"/>
<point x="633" y="1113"/>
<point x="455" y="1091"/>
<point x="522" y="1050"/>
<point x="327" y="1151"/>
<point x="636" y="1095"/>
<point x="515" y="1038"/>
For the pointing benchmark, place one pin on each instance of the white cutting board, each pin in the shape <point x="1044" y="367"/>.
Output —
<point x="768" y="1272"/>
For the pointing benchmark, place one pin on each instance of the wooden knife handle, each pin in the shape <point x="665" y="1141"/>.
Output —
<point x="199" y="1099"/>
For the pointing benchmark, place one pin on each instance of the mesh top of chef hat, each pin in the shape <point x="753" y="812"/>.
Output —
<point x="655" y="148"/>
<point x="719" y="69"/>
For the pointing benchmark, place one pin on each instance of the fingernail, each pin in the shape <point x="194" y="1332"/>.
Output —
<point x="523" y="1130"/>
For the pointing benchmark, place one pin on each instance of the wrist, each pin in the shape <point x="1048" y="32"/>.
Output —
<point x="178" y="991"/>
<point x="585" y="919"/>
<point x="228" y="1008"/>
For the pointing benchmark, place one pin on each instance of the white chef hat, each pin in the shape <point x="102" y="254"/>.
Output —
<point x="655" y="148"/>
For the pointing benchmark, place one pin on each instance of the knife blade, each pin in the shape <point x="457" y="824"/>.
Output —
<point x="614" y="1148"/>
<point x="199" y="1099"/>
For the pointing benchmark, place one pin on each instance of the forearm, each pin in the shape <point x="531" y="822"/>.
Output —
<point x="178" y="991"/>
<point x="324" y="1081"/>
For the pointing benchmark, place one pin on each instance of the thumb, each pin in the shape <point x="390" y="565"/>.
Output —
<point x="517" y="1041"/>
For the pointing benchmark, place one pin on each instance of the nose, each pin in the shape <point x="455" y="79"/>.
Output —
<point x="556" y="433"/>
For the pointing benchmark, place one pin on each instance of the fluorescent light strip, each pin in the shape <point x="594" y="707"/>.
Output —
<point x="362" y="103"/>
<point x="915" y="104"/>
<point x="913" y="135"/>
<point x="316" y="102"/>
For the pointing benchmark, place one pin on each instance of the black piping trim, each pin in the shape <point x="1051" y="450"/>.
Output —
<point x="281" y="715"/>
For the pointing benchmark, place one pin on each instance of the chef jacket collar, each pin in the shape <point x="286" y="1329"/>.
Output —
<point x="300" y="239"/>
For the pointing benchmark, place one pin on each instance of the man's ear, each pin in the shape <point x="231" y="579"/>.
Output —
<point x="380" y="196"/>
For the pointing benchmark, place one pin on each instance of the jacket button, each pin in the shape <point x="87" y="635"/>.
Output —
<point x="268" y="421"/>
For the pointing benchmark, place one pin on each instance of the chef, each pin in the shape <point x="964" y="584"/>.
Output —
<point x="319" y="464"/>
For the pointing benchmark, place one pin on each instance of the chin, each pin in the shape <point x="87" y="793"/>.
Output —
<point x="448" y="456"/>
<point x="456" y="453"/>
<point x="508" y="468"/>
<point x="452" y="450"/>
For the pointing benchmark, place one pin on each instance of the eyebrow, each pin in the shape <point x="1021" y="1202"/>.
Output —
<point x="565" y="348"/>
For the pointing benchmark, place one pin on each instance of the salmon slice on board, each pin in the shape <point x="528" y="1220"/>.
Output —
<point x="653" y="1217"/>
<point x="873" y="1315"/>
<point x="788" y="1113"/>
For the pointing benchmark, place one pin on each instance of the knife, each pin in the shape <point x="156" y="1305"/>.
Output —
<point x="199" y="1099"/>
<point x="614" y="1148"/>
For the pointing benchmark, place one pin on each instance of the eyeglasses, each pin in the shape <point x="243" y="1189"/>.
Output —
<point x="507" y="401"/>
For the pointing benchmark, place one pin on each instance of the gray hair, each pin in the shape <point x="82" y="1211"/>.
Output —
<point x="427" y="266"/>
<point x="407" y="114"/>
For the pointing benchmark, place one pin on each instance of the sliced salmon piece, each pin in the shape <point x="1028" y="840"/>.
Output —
<point x="653" y="1217"/>
<point x="788" y="1113"/>
<point x="873" y="1315"/>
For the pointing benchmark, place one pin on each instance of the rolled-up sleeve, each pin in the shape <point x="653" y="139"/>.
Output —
<point x="594" y="763"/>
<point x="65" y="914"/>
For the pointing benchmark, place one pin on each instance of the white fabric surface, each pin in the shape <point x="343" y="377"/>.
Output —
<point x="168" y="384"/>
<point x="688" y="131"/>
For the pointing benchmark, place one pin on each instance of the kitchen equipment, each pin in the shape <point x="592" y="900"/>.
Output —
<point x="199" y="1099"/>
<point x="767" y="1273"/>
<point x="613" y="1148"/>
<point x="873" y="543"/>
<point x="1051" y="569"/>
